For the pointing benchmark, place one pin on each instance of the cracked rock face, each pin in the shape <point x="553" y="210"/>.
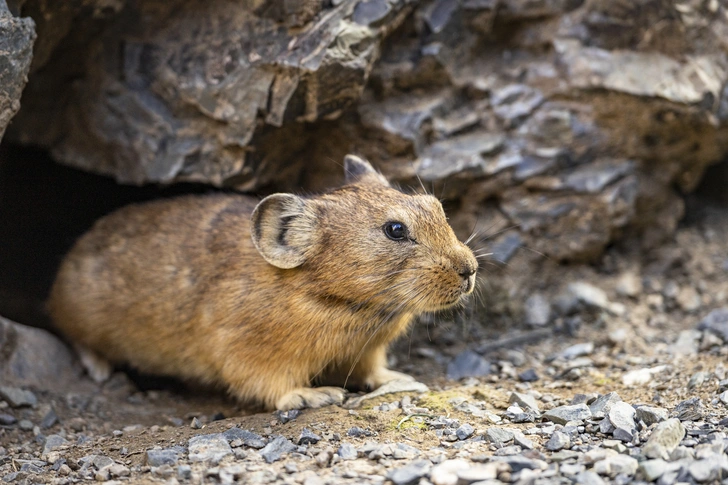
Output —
<point x="574" y="122"/>
<point x="16" y="51"/>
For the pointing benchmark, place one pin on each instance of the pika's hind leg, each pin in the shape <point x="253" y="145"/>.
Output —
<point x="98" y="368"/>
<point x="310" y="397"/>
<point x="371" y="369"/>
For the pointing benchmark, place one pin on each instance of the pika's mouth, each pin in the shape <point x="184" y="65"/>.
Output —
<point x="469" y="285"/>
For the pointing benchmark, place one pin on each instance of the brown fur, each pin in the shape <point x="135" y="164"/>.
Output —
<point x="177" y="287"/>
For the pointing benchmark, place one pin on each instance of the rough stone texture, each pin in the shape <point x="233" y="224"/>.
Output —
<point x="16" y="51"/>
<point x="567" y="122"/>
<point x="33" y="357"/>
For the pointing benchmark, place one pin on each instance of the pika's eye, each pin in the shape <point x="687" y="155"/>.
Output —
<point x="396" y="231"/>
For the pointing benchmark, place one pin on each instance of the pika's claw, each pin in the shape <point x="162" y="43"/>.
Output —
<point x="310" y="397"/>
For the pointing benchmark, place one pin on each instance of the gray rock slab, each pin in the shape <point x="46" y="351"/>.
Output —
<point x="166" y="456"/>
<point x="208" y="448"/>
<point x="410" y="473"/>
<point x="17" y="397"/>
<point x="526" y="401"/>
<point x="276" y="448"/>
<point x="664" y="438"/>
<point x="248" y="438"/>
<point x="601" y="405"/>
<point x="468" y="364"/>
<point x="651" y="415"/>
<point x="716" y="322"/>
<point x="564" y="414"/>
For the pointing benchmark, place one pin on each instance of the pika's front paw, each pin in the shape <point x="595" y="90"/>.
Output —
<point x="382" y="376"/>
<point x="98" y="368"/>
<point x="310" y="397"/>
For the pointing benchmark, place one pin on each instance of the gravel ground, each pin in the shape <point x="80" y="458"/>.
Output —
<point x="611" y="373"/>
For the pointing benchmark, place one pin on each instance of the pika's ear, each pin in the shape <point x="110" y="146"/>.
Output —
<point x="282" y="230"/>
<point x="359" y="170"/>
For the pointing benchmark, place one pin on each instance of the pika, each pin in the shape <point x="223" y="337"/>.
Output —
<point x="267" y="298"/>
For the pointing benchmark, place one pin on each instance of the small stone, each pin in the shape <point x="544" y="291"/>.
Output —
<point x="17" y="397"/>
<point x="411" y="473"/>
<point x="621" y="415"/>
<point x="286" y="416"/>
<point x="7" y="419"/>
<point x="639" y="377"/>
<point x="184" y="472"/>
<point x="716" y="322"/>
<point x="49" y="419"/>
<point x="323" y="459"/>
<point x="119" y="470"/>
<point x="195" y="423"/>
<point x="629" y="284"/>
<point x="248" y="438"/>
<point x="162" y="457"/>
<point x="601" y="405"/>
<point x="51" y="443"/>
<point x="588" y="478"/>
<point x="723" y="396"/>
<point x="618" y="335"/>
<point x="467" y="364"/>
<point x="446" y="473"/>
<point x="709" y="340"/>
<point x="687" y="343"/>
<point x="357" y="432"/>
<point x="690" y="410"/>
<point x="464" y="432"/>
<point x="558" y="441"/>
<point x="526" y="401"/>
<point x="688" y="299"/>
<point x="650" y="415"/>
<point x="537" y="310"/>
<point x="498" y="436"/>
<point x="101" y="461"/>
<point x="479" y="473"/>
<point x="564" y="414"/>
<point x="652" y="469"/>
<point x="528" y="375"/>
<point x="275" y="450"/>
<point x="592" y="296"/>
<point x="615" y="445"/>
<point x="25" y="425"/>
<point x="308" y="437"/>
<point x="612" y="466"/>
<point x="347" y="451"/>
<point x="521" y="440"/>
<point x="664" y="438"/>
<point x="577" y="350"/>
<point x="709" y="470"/>
<point x="208" y="448"/>
<point x="697" y="379"/>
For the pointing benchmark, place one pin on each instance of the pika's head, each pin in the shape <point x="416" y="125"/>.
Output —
<point x="367" y="243"/>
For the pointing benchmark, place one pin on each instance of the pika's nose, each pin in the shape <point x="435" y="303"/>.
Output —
<point x="468" y="275"/>
<point x="466" y="272"/>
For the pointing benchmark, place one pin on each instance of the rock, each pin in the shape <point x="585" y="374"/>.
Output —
<point x="652" y="469"/>
<point x="558" y="441"/>
<point x="467" y="364"/>
<point x="32" y="357"/>
<point x="650" y="415"/>
<point x="479" y="473"/>
<point x="664" y="438"/>
<point x="276" y="448"/>
<point x="709" y="470"/>
<point x="690" y="410"/>
<point x="410" y="473"/>
<point x="51" y="443"/>
<point x="521" y="440"/>
<point x="17" y="397"/>
<point x="577" y="350"/>
<point x="248" y="438"/>
<point x="537" y="310"/>
<point x="621" y="416"/>
<point x="639" y="377"/>
<point x="498" y="436"/>
<point x="287" y="416"/>
<point x="688" y="299"/>
<point x="208" y="448"/>
<point x="612" y="466"/>
<point x="446" y="473"/>
<point x="17" y="36"/>
<point x="716" y="322"/>
<point x="7" y="419"/>
<point x="184" y="472"/>
<point x="528" y="375"/>
<point x="697" y="379"/>
<point x="592" y="296"/>
<point x="357" y="432"/>
<point x="308" y="437"/>
<point x="464" y="432"/>
<point x="564" y="414"/>
<point x="629" y="284"/>
<point x="347" y="451"/>
<point x="526" y="401"/>
<point x="687" y="343"/>
<point x="391" y="387"/>
<point x="167" y="456"/>
<point x="601" y="405"/>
